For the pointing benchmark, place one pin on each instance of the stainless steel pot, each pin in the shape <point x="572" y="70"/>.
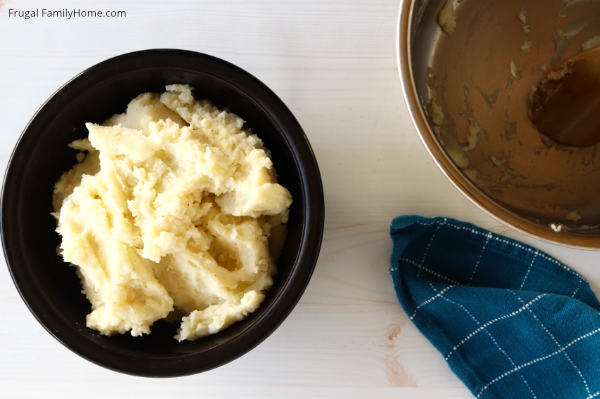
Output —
<point x="467" y="94"/>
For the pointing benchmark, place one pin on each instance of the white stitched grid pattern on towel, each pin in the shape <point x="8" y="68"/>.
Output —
<point x="462" y="307"/>
<point x="426" y="269"/>
<point x="489" y="323"/>
<point x="535" y="255"/>
<point x="439" y="294"/>
<point x="585" y="383"/>
<point x="428" y="301"/>
<point x="449" y="285"/>
<point x="487" y="240"/>
<point x="537" y="360"/>
<point x="428" y="247"/>
<point x="503" y="241"/>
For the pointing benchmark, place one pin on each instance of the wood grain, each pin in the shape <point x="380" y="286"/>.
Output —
<point x="333" y="63"/>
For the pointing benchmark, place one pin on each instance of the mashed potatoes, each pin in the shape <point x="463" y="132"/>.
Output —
<point x="170" y="213"/>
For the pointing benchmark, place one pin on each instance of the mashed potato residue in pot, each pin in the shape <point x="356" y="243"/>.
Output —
<point x="173" y="211"/>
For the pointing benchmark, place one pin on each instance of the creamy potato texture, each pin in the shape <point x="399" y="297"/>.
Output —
<point x="173" y="211"/>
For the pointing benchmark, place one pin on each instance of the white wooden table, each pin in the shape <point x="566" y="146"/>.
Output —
<point x="333" y="63"/>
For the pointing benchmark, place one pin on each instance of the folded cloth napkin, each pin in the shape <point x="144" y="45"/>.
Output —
<point x="510" y="320"/>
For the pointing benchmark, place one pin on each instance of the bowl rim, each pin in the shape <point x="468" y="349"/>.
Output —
<point x="293" y="287"/>
<point x="441" y="159"/>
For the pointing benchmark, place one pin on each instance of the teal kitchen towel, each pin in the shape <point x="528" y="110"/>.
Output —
<point x="510" y="320"/>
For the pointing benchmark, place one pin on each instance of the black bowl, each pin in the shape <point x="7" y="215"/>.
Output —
<point x="50" y="287"/>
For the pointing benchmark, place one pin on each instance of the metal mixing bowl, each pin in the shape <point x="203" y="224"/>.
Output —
<point x="467" y="94"/>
